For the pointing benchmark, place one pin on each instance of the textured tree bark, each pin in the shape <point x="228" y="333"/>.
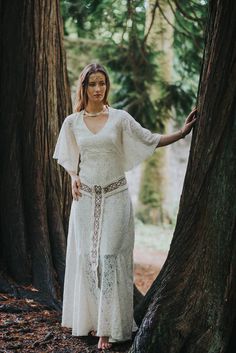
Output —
<point x="191" y="306"/>
<point x="35" y="98"/>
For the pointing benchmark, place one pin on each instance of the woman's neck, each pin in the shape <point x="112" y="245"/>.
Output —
<point x="93" y="107"/>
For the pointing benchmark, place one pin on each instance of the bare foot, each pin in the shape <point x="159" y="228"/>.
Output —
<point x="103" y="343"/>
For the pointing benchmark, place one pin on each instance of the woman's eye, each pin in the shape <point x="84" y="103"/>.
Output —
<point x="92" y="84"/>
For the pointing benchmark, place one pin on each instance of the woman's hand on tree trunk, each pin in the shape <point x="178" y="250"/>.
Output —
<point x="189" y="122"/>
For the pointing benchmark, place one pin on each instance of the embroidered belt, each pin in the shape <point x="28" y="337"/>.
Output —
<point x="98" y="194"/>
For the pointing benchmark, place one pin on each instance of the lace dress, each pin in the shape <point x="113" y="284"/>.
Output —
<point x="98" y="285"/>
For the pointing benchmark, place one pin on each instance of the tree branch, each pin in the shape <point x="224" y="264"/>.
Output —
<point x="186" y="34"/>
<point x="185" y="14"/>
<point x="152" y="21"/>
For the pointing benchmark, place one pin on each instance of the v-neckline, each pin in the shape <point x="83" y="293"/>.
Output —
<point x="108" y="118"/>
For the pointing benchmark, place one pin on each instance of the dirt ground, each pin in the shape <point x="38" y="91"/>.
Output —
<point x="27" y="326"/>
<point x="147" y="265"/>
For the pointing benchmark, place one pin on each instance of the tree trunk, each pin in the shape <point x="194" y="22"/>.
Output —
<point x="160" y="37"/>
<point x="191" y="306"/>
<point x="35" y="97"/>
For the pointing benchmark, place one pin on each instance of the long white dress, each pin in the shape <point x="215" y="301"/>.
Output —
<point x="98" y="285"/>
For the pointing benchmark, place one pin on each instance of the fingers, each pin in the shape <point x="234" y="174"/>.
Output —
<point x="75" y="190"/>
<point x="188" y="126"/>
<point x="194" y="110"/>
<point x="192" y="122"/>
<point x="192" y="115"/>
<point x="76" y="195"/>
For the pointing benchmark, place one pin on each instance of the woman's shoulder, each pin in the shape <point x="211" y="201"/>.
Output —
<point x="72" y="119"/>
<point x="119" y="113"/>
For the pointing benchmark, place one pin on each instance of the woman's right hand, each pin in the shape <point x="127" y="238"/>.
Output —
<point x="75" y="184"/>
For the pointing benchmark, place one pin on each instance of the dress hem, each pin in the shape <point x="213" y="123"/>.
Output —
<point x="111" y="339"/>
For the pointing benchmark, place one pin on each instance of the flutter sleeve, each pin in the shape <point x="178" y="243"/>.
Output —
<point x="67" y="150"/>
<point x="138" y="143"/>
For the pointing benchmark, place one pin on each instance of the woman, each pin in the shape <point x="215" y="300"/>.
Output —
<point x="98" y="287"/>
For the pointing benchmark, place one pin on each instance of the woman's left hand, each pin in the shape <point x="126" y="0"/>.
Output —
<point x="190" y="120"/>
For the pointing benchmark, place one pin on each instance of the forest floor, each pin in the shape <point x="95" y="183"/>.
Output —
<point x="27" y="326"/>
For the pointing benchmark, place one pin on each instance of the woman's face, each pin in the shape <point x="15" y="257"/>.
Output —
<point x="96" y="87"/>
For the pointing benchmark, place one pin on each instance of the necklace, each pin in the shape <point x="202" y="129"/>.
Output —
<point x="95" y="114"/>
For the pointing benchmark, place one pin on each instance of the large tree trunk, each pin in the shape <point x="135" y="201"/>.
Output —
<point x="35" y="97"/>
<point x="191" y="306"/>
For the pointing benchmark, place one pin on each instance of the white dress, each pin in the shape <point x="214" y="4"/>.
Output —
<point x="98" y="285"/>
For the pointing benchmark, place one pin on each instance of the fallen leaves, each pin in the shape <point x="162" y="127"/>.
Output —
<point x="27" y="326"/>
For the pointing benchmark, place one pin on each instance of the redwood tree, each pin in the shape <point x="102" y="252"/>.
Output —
<point x="191" y="306"/>
<point x="35" y="98"/>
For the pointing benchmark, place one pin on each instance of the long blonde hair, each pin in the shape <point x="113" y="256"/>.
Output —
<point x="81" y="97"/>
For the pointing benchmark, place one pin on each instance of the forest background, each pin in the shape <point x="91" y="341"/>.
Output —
<point x="190" y="306"/>
<point x="153" y="52"/>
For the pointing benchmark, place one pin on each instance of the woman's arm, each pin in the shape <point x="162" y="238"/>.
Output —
<point x="185" y="130"/>
<point x="170" y="138"/>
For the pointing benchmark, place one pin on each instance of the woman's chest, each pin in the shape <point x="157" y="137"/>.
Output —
<point x="108" y="136"/>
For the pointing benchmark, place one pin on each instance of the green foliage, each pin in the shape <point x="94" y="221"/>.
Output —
<point x="175" y="97"/>
<point x="81" y="16"/>
<point x="150" y="182"/>
<point x="117" y="33"/>
<point x="150" y="210"/>
<point x="190" y="20"/>
<point x="132" y="93"/>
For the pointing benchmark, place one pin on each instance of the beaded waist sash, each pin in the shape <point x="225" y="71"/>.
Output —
<point x="98" y="194"/>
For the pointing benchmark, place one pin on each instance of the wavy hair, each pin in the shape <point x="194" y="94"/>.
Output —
<point x="81" y="97"/>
